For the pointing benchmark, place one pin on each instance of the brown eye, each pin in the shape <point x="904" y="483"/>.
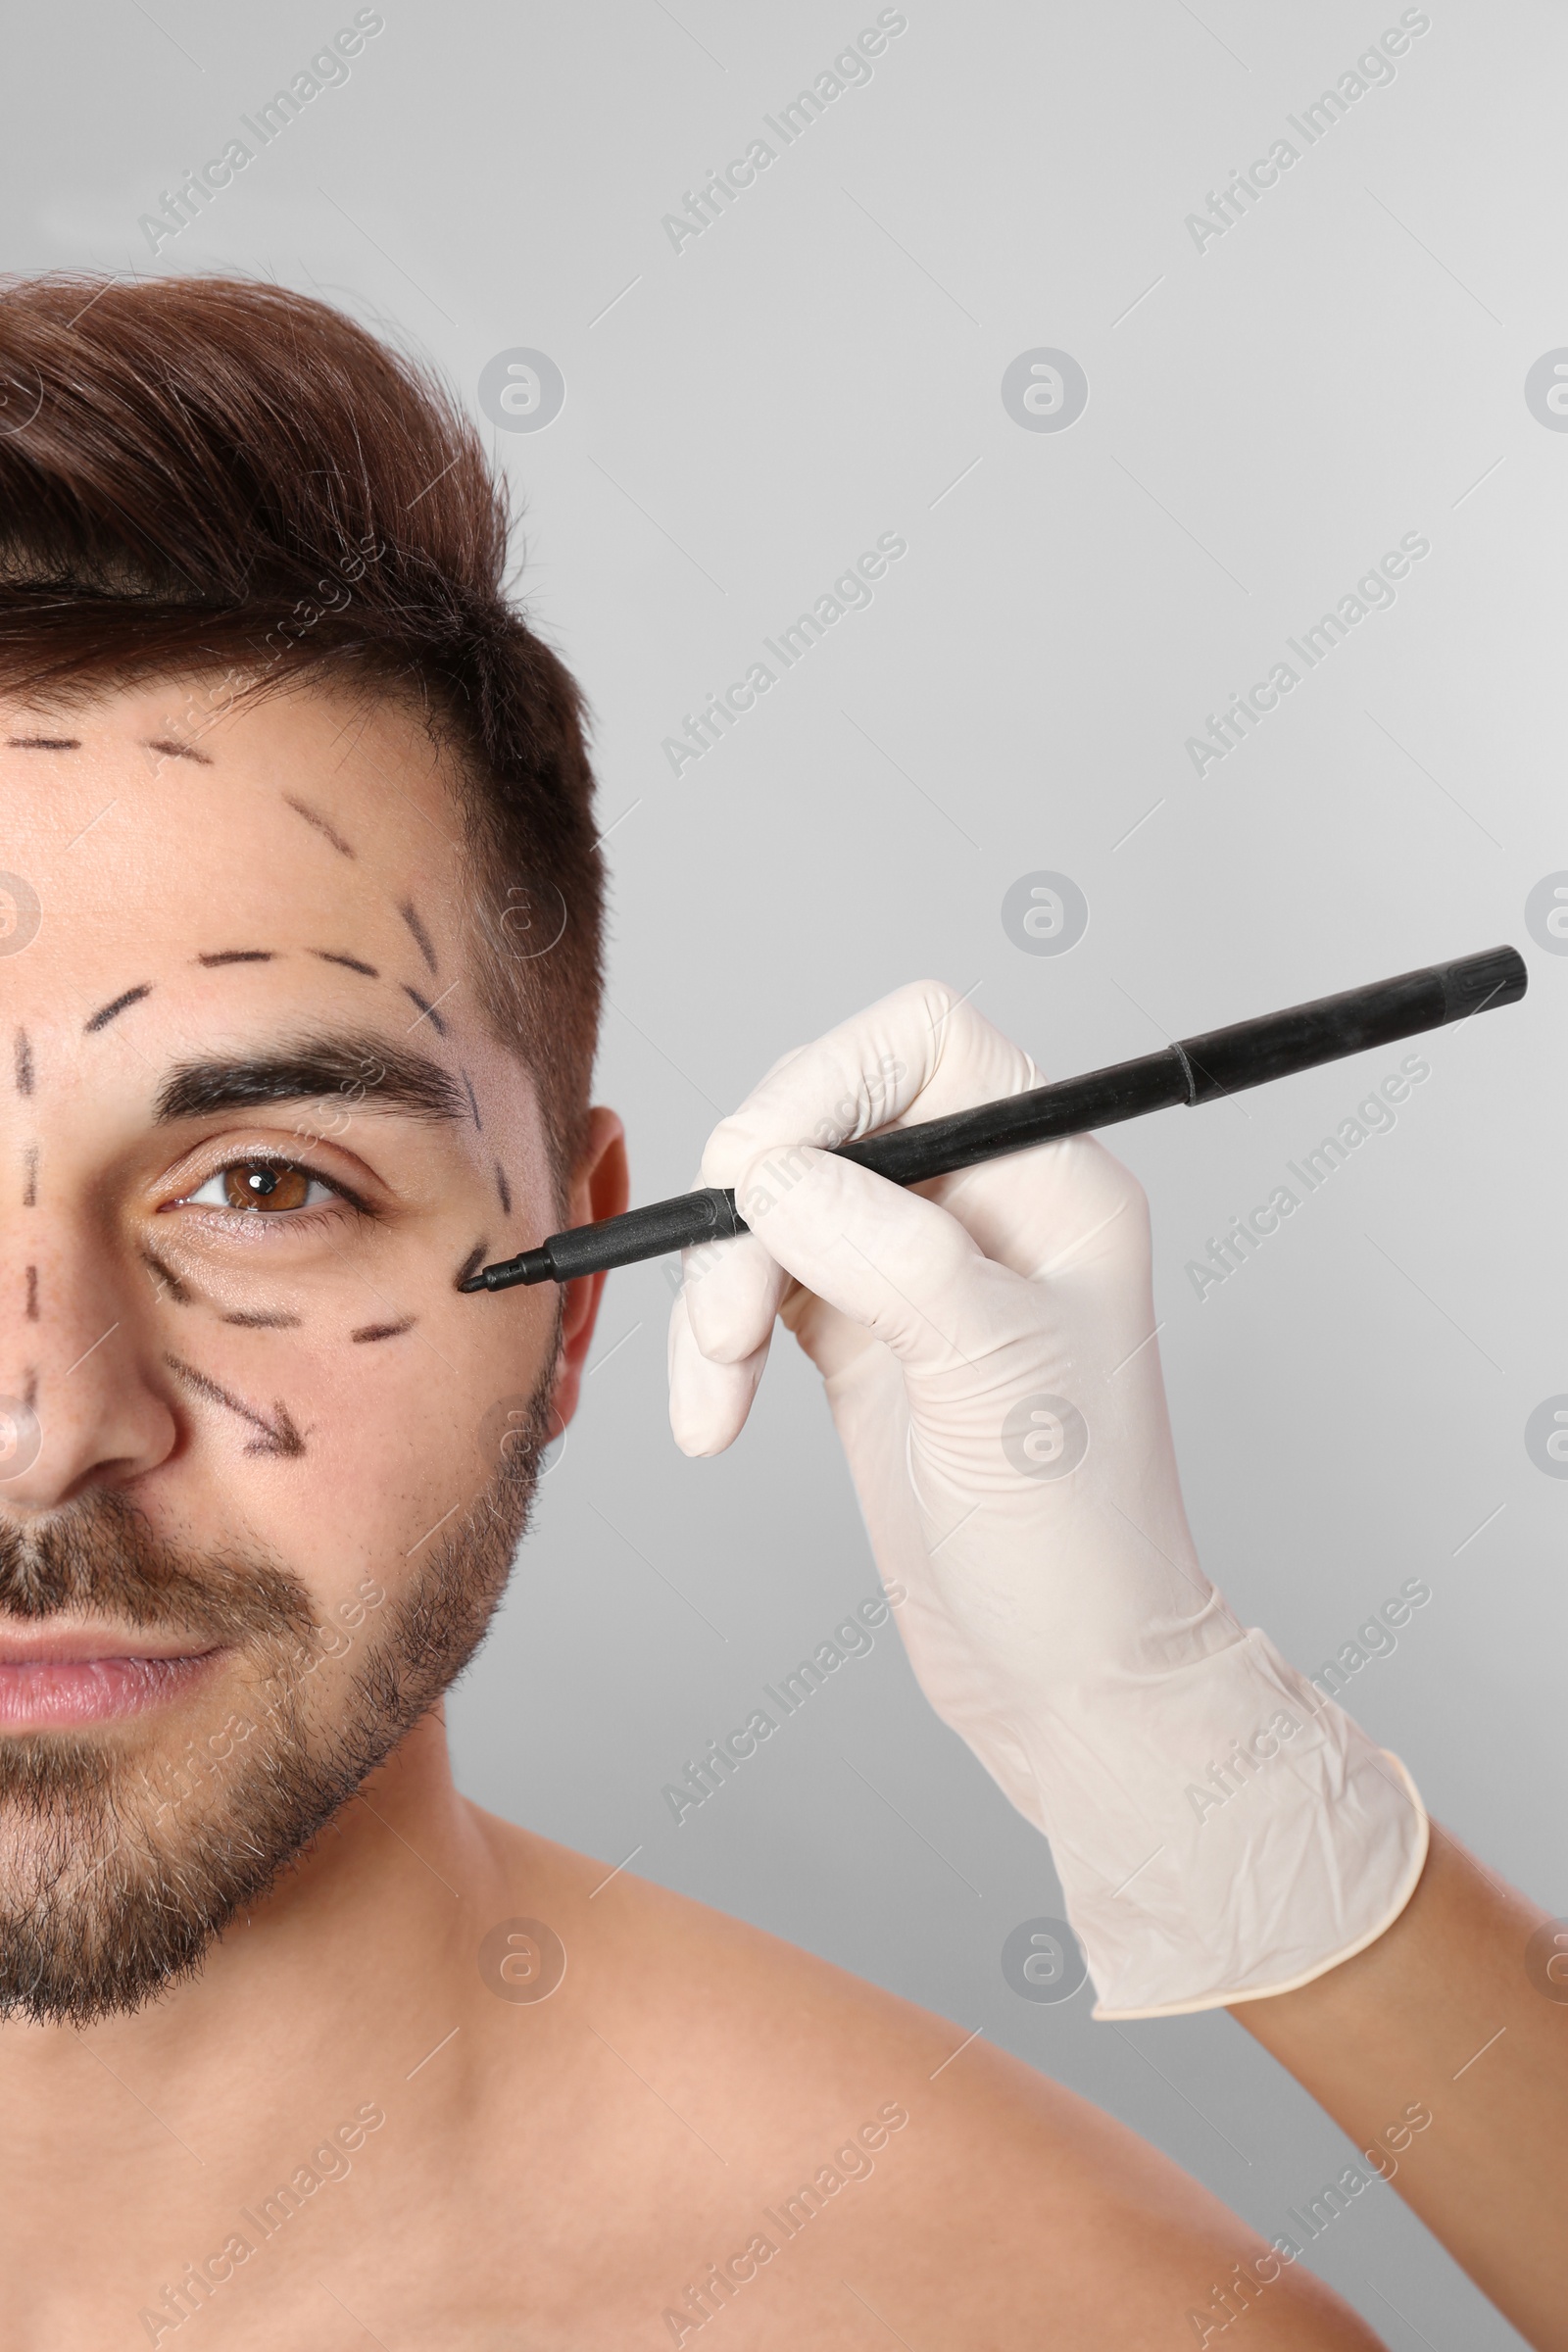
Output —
<point x="264" y="1183"/>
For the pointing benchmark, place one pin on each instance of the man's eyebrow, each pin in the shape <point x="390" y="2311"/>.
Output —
<point x="357" y="1069"/>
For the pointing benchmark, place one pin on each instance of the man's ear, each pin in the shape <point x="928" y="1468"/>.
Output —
<point x="601" y="1187"/>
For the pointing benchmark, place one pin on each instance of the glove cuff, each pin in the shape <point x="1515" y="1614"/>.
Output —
<point x="1415" y="1864"/>
<point x="1222" y="1830"/>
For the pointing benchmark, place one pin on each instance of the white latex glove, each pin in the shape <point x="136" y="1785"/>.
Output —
<point x="988" y="1353"/>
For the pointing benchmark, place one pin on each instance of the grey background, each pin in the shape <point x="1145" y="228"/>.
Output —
<point x="742" y="417"/>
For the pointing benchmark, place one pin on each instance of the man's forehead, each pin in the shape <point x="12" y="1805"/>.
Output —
<point x="196" y="825"/>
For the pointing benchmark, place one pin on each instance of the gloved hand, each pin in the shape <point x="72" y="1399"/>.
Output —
<point x="987" y="1342"/>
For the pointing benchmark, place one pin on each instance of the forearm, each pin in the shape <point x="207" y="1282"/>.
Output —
<point x="1443" y="2017"/>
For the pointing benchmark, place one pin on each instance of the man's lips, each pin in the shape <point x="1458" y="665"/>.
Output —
<point x="63" y="1642"/>
<point x="56" y="1674"/>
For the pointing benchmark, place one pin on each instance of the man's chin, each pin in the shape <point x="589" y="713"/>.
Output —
<point x="132" y="1835"/>
<point x="146" y="1803"/>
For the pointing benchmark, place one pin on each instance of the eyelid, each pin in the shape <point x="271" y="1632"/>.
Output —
<point x="193" y="1199"/>
<point x="266" y="1156"/>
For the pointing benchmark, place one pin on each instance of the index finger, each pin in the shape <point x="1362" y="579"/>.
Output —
<point x="918" y="1053"/>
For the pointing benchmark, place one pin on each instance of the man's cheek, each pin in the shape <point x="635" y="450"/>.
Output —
<point x="382" y="1463"/>
<point x="410" y="1465"/>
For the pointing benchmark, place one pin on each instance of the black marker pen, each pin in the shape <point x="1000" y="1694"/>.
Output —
<point x="1194" y="1070"/>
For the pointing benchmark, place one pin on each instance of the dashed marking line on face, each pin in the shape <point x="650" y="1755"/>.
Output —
<point x="281" y="1320"/>
<point x="314" y="817"/>
<point x="237" y="956"/>
<point x="24" y="1062"/>
<point x="276" y="1436"/>
<point x="349" y="963"/>
<point x="164" y="1280"/>
<point x="472" y="1263"/>
<point x="30" y="1310"/>
<point x="115" y="1008"/>
<point x="381" y="1331"/>
<point x="428" y="1011"/>
<point x="43" y="743"/>
<point x="171" y="748"/>
<point x="29" y="1387"/>
<point x="473" y="1100"/>
<point x="29" y="1177"/>
<point x="503" y="1189"/>
<point x="421" y="937"/>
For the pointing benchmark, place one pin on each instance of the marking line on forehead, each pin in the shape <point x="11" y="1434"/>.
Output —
<point x="349" y="963"/>
<point x="427" y="1011"/>
<point x="366" y="1070"/>
<point x="115" y="1006"/>
<point x="314" y="817"/>
<point x="43" y="743"/>
<point x="239" y="956"/>
<point x="473" y="1100"/>
<point x="171" y="748"/>
<point x="29" y="1177"/>
<point x="421" y="937"/>
<point x="24" y="1054"/>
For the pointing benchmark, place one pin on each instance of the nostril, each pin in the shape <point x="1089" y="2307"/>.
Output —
<point x="21" y="1438"/>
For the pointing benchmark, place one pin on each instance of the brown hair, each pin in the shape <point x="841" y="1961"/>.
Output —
<point x="209" y="474"/>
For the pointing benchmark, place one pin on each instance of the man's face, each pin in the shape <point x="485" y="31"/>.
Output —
<point x="262" y="1465"/>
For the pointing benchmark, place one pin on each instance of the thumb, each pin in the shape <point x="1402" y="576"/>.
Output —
<point x="899" y="1266"/>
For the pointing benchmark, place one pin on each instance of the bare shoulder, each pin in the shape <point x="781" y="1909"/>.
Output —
<point x="784" y="2141"/>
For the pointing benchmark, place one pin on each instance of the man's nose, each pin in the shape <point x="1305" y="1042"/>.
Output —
<point x="83" y="1401"/>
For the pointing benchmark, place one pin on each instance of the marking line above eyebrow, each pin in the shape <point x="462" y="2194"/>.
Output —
<point x="265" y="1322"/>
<point x="171" y="748"/>
<point x="420" y="936"/>
<point x="239" y="956"/>
<point x="381" y="1331"/>
<point x="43" y="743"/>
<point x="349" y="963"/>
<point x="314" y="817"/>
<point x="108" y="1012"/>
<point x="24" y="1063"/>
<point x="366" y="1071"/>
<point x="427" y="1011"/>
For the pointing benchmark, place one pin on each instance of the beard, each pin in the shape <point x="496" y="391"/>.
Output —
<point x="117" y="1870"/>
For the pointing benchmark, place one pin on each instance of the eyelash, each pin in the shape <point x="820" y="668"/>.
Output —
<point x="293" y="1219"/>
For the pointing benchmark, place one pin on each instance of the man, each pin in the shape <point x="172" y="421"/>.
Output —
<point x="300" y="920"/>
